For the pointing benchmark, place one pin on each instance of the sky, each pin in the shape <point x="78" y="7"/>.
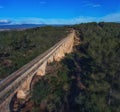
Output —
<point x="58" y="11"/>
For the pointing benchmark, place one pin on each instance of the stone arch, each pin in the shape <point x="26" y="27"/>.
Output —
<point x="41" y="70"/>
<point x="50" y="60"/>
<point x="25" y="88"/>
<point x="56" y="56"/>
<point x="59" y="54"/>
<point x="61" y="51"/>
<point x="68" y="46"/>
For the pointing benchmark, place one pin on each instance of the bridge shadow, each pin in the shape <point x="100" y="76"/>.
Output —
<point x="12" y="103"/>
<point x="16" y="105"/>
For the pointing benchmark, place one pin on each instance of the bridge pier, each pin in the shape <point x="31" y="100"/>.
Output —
<point x="50" y="60"/>
<point x="59" y="54"/>
<point x="24" y="89"/>
<point x="41" y="70"/>
<point x="68" y="46"/>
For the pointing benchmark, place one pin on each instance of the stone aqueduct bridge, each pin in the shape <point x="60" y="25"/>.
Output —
<point x="19" y="82"/>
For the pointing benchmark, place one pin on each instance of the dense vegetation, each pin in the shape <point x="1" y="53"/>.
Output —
<point x="19" y="47"/>
<point x="88" y="80"/>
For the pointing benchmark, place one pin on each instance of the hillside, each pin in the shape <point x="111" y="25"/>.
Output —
<point x="87" y="80"/>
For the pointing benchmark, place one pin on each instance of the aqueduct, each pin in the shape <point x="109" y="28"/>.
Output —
<point x="19" y="82"/>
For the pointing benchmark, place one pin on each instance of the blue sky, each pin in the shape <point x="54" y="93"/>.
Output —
<point x="58" y="11"/>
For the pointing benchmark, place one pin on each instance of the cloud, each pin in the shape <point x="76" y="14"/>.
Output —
<point x="32" y="20"/>
<point x="43" y="2"/>
<point x="115" y="17"/>
<point x="85" y="1"/>
<point x="2" y="22"/>
<point x="96" y="5"/>
<point x="1" y="7"/>
<point x="90" y="4"/>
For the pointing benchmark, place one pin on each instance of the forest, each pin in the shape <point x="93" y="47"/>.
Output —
<point x="18" y="47"/>
<point x="87" y="80"/>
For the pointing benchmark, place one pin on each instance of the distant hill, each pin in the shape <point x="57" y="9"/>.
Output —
<point x="23" y="26"/>
<point x="20" y="26"/>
